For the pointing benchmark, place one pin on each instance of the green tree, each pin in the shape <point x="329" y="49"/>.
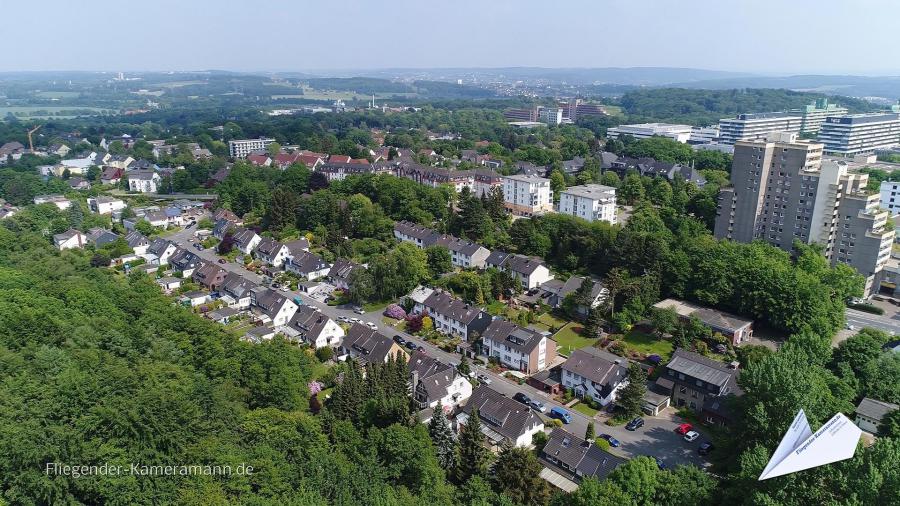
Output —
<point x="439" y="259"/>
<point x="282" y="210"/>
<point x="686" y="486"/>
<point x="610" y="178"/>
<point x="516" y="475"/>
<point x="474" y="456"/>
<point x="273" y="149"/>
<point x="591" y="492"/>
<point x="557" y="184"/>
<point x="76" y="216"/>
<point x="664" y="320"/>
<point x="632" y="396"/>
<point x="639" y="479"/>
<point x="442" y="438"/>
<point x="589" y="433"/>
<point x="631" y="190"/>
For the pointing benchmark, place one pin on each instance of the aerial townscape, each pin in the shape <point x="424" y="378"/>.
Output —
<point x="472" y="275"/>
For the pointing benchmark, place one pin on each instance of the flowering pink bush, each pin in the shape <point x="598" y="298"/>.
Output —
<point x="395" y="311"/>
<point x="314" y="387"/>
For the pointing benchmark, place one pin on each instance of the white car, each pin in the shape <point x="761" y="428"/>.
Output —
<point x="691" y="436"/>
<point x="537" y="406"/>
<point x="484" y="379"/>
<point x="343" y="319"/>
<point x="850" y="327"/>
<point x="359" y="310"/>
<point x="371" y="325"/>
<point x="355" y="320"/>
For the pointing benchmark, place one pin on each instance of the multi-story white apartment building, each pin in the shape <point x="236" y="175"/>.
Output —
<point x="756" y="126"/>
<point x="527" y="195"/>
<point x="551" y="115"/>
<point x="243" y="147"/>
<point x="143" y="181"/>
<point x="591" y="202"/>
<point x="890" y="196"/>
<point x="860" y="133"/>
<point x="782" y="191"/>
<point x="680" y="133"/>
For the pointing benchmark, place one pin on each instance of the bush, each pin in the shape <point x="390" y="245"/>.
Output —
<point x="868" y="308"/>
<point x="556" y="422"/>
<point x="395" y="311"/>
<point x="324" y="354"/>
<point x="602" y="443"/>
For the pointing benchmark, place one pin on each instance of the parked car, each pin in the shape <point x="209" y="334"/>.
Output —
<point x="298" y="300"/>
<point x="399" y="339"/>
<point x="635" y="424"/>
<point x="659" y="463"/>
<point x="611" y="440"/>
<point x="705" y="448"/>
<point x="343" y="319"/>
<point x="538" y="406"/>
<point x="411" y="346"/>
<point x="691" y="436"/>
<point x="222" y="261"/>
<point x="358" y="310"/>
<point x="371" y="325"/>
<point x="189" y="225"/>
<point x="484" y="379"/>
<point x="355" y="320"/>
<point x="520" y="397"/>
<point x="561" y="414"/>
<point x="684" y="428"/>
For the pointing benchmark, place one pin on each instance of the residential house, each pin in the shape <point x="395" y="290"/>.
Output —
<point x="235" y="291"/>
<point x="78" y="166"/>
<point x="702" y="384"/>
<point x="245" y="240"/>
<point x="194" y="298"/>
<point x="111" y="175"/>
<point x="503" y="419"/>
<point x="735" y="328"/>
<point x="157" y="218"/>
<point x="314" y="328"/>
<point x="259" y="159"/>
<point x="437" y="176"/>
<point x="595" y="374"/>
<point x="100" y="237"/>
<point x="143" y="181"/>
<point x="271" y="252"/>
<point x="102" y="204"/>
<point x="297" y="246"/>
<point x="485" y="181"/>
<point x="576" y="458"/>
<point x="184" y="262"/>
<point x="259" y="334"/>
<point x="223" y="315"/>
<point x="79" y="183"/>
<point x="13" y="148"/>
<point x="463" y="254"/>
<point x="69" y="239"/>
<point x="365" y="345"/>
<point x="58" y="150"/>
<point x="453" y="316"/>
<point x="307" y="265"/>
<point x="209" y="276"/>
<point x="161" y="250"/>
<point x="435" y="383"/>
<point x="169" y="284"/>
<point x="555" y="292"/>
<point x="59" y="201"/>
<point x="137" y="242"/>
<point x="518" y="348"/>
<point x="341" y="273"/>
<point x="531" y="272"/>
<point x="337" y="171"/>
<point x="221" y="227"/>
<point x="871" y="412"/>
<point x="271" y="306"/>
<point x="226" y="214"/>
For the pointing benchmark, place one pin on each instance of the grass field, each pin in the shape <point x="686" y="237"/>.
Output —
<point x="569" y="339"/>
<point x="58" y="94"/>
<point x="43" y="111"/>
<point x="585" y="410"/>
<point x="647" y="343"/>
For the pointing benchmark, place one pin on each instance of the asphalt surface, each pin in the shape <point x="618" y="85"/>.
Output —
<point x="860" y="319"/>
<point x="656" y="437"/>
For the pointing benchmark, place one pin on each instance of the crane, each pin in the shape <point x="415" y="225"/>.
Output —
<point x="30" y="141"/>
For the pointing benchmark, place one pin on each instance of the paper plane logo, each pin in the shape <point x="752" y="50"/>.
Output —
<point x="800" y="449"/>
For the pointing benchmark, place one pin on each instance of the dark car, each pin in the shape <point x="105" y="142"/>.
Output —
<point x="399" y="340"/>
<point x="705" y="448"/>
<point x="520" y="397"/>
<point x="222" y="260"/>
<point x="635" y="424"/>
<point x="411" y="345"/>
<point x="611" y="440"/>
<point x="659" y="463"/>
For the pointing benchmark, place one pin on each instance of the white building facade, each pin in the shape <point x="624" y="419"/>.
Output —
<point x="591" y="202"/>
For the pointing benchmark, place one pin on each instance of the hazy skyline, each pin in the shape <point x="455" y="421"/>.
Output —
<point x="760" y="36"/>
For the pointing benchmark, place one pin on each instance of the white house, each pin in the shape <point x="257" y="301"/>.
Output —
<point x="58" y="200"/>
<point x="506" y="419"/>
<point x="69" y="239"/>
<point x="531" y="272"/>
<point x="272" y="252"/>
<point x="162" y="250"/>
<point x="169" y="284"/>
<point x="307" y="265"/>
<point x="195" y="298"/>
<point x="453" y="316"/>
<point x="871" y="412"/>
<point x="435" y="383"/>
<point x="235" y="291"/>
<point x="518" y="348"/>
<point x="314" y="328"/>
<point x="596" y="374"/>
<point x="271" y="306"/>
<point x="105" y="205"/>
<point x="143" y="181"/>
<point x="245" y="240"/>
<point x="138" y="243"/>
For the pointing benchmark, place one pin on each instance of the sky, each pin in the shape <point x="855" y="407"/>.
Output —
<point x="758" y="36"/>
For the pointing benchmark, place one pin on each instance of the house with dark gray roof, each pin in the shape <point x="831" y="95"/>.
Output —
<point x="245" y="240"/>
<point x="702" y="384"/>
<point x="454" y="316"/>
<point x="591" y="372"/>
<point x="464" y="254"/>
<point x="137" y="242"/>
<point x="503" y="419"/>
<point x="100" y="237"/>
<point x="871" y="412"/>
<point x="311" y="326"/>
<point x="518" y="348"/>
<point x="307" y="265"/>
<point x="341" y="272"/>
<point x="577" y="458"/>
<point x="235" y="291"/>
<point x="554" y="292"/>
<point x="185" y="262"/>
<point x="435" y="383"/>
<point x="271" y="252"/>
<point x="271" y="307"/>
<point x="221" y="227"/>
<point x="209" y="276"/>
<point x="365" y="345"/>
<point x="161" y="250"/>
<point x="530" y="271"/>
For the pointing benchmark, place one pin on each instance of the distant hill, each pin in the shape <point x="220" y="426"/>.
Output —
<point x="854" y="86"/>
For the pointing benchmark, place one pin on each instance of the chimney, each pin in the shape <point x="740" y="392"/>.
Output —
<point x="734" y="365"/>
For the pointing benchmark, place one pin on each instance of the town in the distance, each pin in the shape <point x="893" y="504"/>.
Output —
<point x="479" y="290"/>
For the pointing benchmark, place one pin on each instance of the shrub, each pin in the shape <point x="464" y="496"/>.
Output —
<point x="602" y="443"/>
<point x="868" y="308"/>
<point x="324" y="354"/>
<point x="395" y="311"/>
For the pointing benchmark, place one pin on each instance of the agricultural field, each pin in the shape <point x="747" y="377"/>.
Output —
<point x="44" y="111"/>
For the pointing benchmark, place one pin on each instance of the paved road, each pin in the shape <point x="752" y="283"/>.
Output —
<point x="656" y="437"/>
<point x="860" y="319"/>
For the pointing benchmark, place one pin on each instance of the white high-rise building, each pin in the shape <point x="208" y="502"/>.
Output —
<point x="890" y="196"/>
<point x="680" y="133"/>
<point x="757" y="126"/>
<point x="527" y="195"/>
<point x="551" y="115"/>
<point x="243" y="147"/>
<point x="591" y="202"/>
<point x="860" y="133"/>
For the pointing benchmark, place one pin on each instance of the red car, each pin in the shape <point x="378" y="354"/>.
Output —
<point x="684" y="429"/>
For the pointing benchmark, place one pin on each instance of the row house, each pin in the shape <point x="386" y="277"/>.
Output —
<point x="518" y="348"/>
<point x="485" y="181"/>
<point x="235" y="291"/>
<point x="367" y="346"/>
<point x="307" y="265"/>
<point x="504" y="420"/>
<point x="338" y="171"/>
<point x="454" y="316"/>
<point x="160" y="251"/>
<point x="435" y="383"/>
<point x="437" y="176"/>
<point x="209" y="276"/>
<point x="463" y="254"/>
<point x="312" y="327"/>
<point x="595" y="374"/>
<point x="531" y="272"/>
<point x="185" y="262"/>
<point x="271" y="307"/>
<point x="272" y="252"/>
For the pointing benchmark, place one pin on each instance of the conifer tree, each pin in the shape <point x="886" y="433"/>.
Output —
<point x="473" y="454"/>
<point x="442" y="437"/>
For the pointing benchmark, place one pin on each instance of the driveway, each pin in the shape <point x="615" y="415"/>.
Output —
<point x="656" y="437"/>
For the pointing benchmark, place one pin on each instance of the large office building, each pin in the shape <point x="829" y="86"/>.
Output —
<point x="242" y="148"/>
<point x="527" y="195"/>
<point x="814" y="114"/>
<point x="680" y="133"/>
<point x="521" y="114"/>
<point x="757" y="126"/>
<point x="890" y="196"/>
<point x="591" y="202"/>
<point x="781" y="191"/>
<point x="860" y="133"/>
<point x="550" y="115"/>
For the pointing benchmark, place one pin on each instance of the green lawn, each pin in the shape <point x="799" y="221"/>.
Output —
<point x="648" y="344"/>
<point x="548" y="321"/>
<point x="569" y="339"/>
<point x="495" y="308"/>
<point x="584" y="409"/>
<point x="375" y="306"/>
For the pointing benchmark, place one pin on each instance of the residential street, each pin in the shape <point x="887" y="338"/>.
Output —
<point x="656" y="437"/>
<point x="889" y="322"/>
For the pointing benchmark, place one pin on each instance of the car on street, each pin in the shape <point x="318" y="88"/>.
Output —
<point x="411" y="346"/>
<point x="684" y="428"/>
<point x="611" y="440"/>
<point x="191" y="224"/>
<point x="635" y="424"/>
<point x="222" y="261"/>
<point x="355" y="320"/>
<point x="199" y="246"/>
<point x="399" y="339"/>
<point x="538" y="406"/>
<point x="850" y="327"/>
<point x="691" y="436"/>
<point x="484" y="379"/>
<point x="561" y="414"/>
<point x="705" y="448"/>
<point x="343" y="319"/>
<point x="371" y="325"/>
<point x="520" y="397"/>
<point x="358" y="310"/>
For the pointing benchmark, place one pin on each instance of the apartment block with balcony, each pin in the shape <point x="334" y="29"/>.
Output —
<point x="243" y="147"/>
<point x="591" y="202"/>
<point x="756" y="126"/>
<point x="527" y="195"/>
<point x="853" y="134"/>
